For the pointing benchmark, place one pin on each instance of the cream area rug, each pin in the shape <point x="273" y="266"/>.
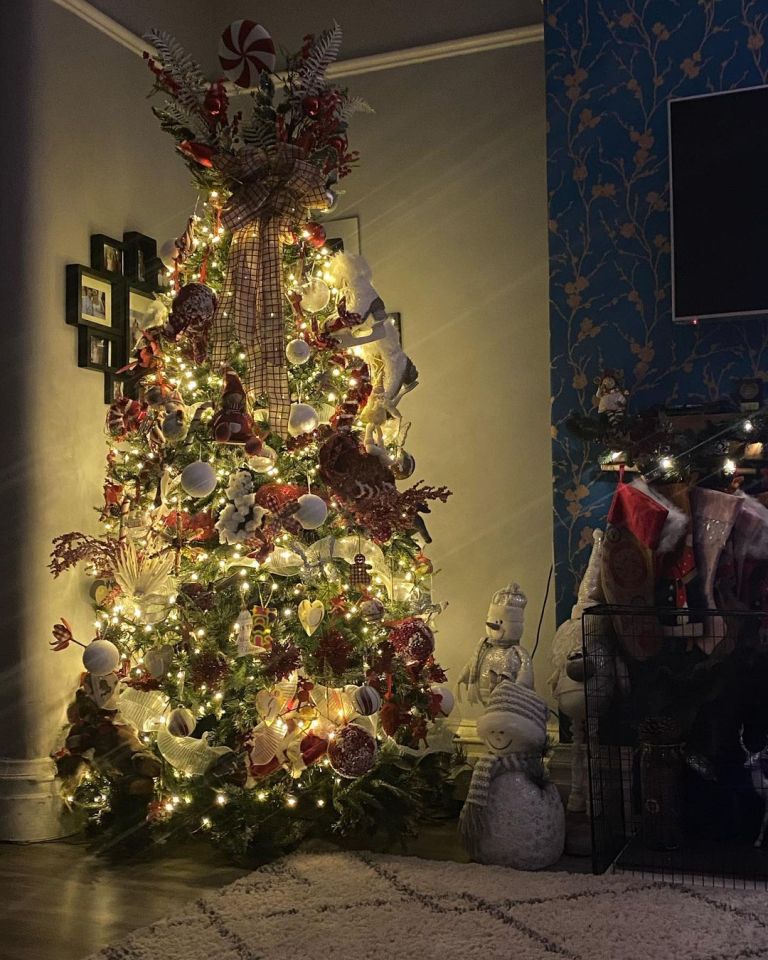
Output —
<point x="357" y="906"/>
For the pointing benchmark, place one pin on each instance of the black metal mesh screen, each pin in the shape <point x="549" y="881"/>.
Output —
<point x="677" y="742"/>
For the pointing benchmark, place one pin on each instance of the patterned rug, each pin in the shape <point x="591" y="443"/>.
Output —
<point x="356" y="906"/>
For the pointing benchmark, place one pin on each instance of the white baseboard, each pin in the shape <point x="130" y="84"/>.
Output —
<point x="31" y="807"/>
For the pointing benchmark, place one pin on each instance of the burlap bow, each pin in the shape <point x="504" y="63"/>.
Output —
<point x="275" y="189"/>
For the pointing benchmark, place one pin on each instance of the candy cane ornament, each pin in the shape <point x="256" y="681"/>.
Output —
<point x="245" y="50"/>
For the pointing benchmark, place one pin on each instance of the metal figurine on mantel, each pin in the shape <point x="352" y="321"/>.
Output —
<point x="499" y="652"/>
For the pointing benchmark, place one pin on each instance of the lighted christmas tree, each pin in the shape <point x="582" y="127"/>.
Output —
<point x="263" y="667"/>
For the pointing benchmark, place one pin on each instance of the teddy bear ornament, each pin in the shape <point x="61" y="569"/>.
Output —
<point x="499" y="652"/>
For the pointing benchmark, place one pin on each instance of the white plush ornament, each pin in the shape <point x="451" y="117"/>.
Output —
<point x="264" y="461"/>
<point x="311" y="613"/>
<point x="315" y="295"/>
<point x="198" y="479"/>
<point x="101" y="657"/>
<point x="181" y="722"/>
<point x="312" y="511"/>
<point x="302" y="419"/>
<point x="447" y="702"/>
<point x="298" y="352"/>
<point x="193" y="757"/>
<point x="157" y="660"/>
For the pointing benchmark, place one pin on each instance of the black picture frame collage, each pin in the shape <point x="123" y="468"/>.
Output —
<point x="108" y="300"/>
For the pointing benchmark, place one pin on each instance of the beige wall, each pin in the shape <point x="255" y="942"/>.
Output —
<point x="451" y="197"/>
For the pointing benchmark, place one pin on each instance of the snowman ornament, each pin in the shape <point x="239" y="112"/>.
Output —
<point x="499" y="653"/>
<point x="513" y="815"/>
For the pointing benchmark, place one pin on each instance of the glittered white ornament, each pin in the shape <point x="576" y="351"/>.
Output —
<point x="198" y="479"/>
<point x="448" y="700"/>
<point x="181" y="722"/>
<point x="158" y="660"/>
<point x="302" y="419"/>
<point x="312" y="511"/>
<point x="101" y="657"/>
<point x="298" y="352"/>
<point x="315" y="295"/>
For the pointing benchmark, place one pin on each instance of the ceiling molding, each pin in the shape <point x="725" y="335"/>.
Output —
<point x="390" y="60"/>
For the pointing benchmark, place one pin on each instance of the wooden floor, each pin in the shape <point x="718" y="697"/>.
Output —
<point x="59" y="902"/>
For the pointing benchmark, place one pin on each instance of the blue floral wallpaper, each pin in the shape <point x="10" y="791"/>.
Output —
<point x="611" y="68"/>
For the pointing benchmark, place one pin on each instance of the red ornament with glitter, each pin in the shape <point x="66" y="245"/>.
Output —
<point x="352" y="751"/>
<point x="413" y="639"/>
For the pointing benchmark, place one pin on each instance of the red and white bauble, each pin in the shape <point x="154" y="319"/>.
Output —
<point x="245" y="50"/>
<point x="371" y="609"/>
<point x="367" y="700"/>
<point x="447" y="699"/>
<point x="352" y="751"/>
<point x="181" y="722"/>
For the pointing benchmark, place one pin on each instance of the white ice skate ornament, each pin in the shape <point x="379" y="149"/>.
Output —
<point x="513" y="816"/>
<point x="499" y="653"/>
<point x="375" y="338"/>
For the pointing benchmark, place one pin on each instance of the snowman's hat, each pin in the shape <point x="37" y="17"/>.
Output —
<point x="512" y="698"/>
<point x="511" y="600"/>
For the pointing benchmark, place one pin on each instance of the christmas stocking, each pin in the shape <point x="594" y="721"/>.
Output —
<point x="714" y="515"/>
<point x="635" y="525"/>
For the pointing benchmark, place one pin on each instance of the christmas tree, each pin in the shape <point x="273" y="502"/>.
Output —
<point x="263" y="666"/>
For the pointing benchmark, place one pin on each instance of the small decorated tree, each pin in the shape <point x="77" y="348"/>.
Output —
<point x="263" y="667"/>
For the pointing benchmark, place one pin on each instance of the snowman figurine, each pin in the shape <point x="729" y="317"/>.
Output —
<point x="513" y="816"/>
<point x="499" y="652"/>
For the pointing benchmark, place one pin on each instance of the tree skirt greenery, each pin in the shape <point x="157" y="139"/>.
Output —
<point x="351" y="905"/>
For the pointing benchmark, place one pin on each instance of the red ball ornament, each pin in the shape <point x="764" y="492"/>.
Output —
<point x="194" y="305"/>
<point x="314" y="234"/>
<point x="311" y="106"/>
<point x="352" y="751"/>
<point x="413" y="640"/>
<point x="339" y="144"/>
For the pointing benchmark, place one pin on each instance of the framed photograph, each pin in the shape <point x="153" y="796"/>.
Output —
<point x="141" y="263"/>
<point x="98" y="349"/>
<point x="342" y="235"/>
<point x="107" y="254"/>
<point x="113" y="387"/>
<point x="93" y="297"/>
<point x="138" y="316"/>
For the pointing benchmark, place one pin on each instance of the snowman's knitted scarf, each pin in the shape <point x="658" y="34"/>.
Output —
<point x="487" y="768"/>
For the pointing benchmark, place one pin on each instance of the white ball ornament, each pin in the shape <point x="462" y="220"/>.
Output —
<point x="101" y="657"/>
<point x="198" y="479"/>
<point x="312" y="511"/>
<point x="181" y="722"/>
<point x="298" y="352"/>
<point x="302" y="419"/>
<point x="315" y="295"/>
<point x="264" y="460"/>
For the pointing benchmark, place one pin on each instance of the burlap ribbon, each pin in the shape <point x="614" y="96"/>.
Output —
<point x="275" y="189"/>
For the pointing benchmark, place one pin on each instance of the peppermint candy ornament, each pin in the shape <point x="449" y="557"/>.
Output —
<point x="245" y="50"/>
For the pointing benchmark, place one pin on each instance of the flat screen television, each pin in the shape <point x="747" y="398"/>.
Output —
<point x="718" y="148"/>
